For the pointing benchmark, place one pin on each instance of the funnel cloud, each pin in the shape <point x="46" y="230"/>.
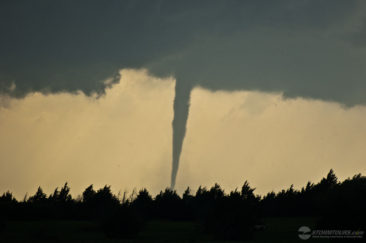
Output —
<point x="312" y="49"/>
<point x="179" y="124"/>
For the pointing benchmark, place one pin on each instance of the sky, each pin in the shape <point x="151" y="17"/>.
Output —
<point x="157" y="93"/>
<point x="123" y="139"/>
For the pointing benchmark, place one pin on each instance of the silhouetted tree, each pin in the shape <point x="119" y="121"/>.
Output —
<point x="88" y="194"/>
<point x="233" y="216"/>
<point x="7" y="206"/>
<point x="169" y="205"/>
<point x="143" y="204"/>
<point x="39" y="196"/>
<point x="247" y="192"/>
<point x="61" y="196"/>
<point x="339" y="205"/>
<point x="187" y="194"/>
<point x="7" y="197"/>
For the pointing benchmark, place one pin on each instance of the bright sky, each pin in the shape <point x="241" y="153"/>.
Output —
<point x="123" y="139"/>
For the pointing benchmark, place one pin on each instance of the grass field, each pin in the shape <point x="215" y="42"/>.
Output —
<point x="277" y="230"/>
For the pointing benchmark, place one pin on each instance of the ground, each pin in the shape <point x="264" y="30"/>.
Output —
<point x="277" y="230"/>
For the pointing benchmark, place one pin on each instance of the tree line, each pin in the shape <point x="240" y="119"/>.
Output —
<point x="233" y="215"/>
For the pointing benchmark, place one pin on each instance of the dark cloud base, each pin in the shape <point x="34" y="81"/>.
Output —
<point x="288" y="46"/>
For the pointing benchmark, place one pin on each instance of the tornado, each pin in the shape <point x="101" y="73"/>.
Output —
<point x="179" y="124"/>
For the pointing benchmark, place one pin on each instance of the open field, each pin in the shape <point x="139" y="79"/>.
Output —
<point x="277" y="230"/>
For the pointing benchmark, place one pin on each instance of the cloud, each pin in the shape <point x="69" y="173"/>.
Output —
<point x="299" y="48"/>
<point x="289" y="46"/>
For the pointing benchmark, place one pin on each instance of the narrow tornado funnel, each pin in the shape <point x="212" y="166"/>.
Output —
<point x="181" y="110"/>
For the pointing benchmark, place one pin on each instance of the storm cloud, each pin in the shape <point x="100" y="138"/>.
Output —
<point x="312" y="49"/>
<point x="303" y="48"/>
